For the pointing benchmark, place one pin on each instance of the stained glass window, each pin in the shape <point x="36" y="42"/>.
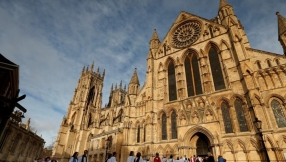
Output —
<point x="240" y="116"/>
<point x="174" y="125"/>
<point x="226" y="118"/>
<point x="193" y="78"/>
<point x="172" y="82"/>
<point x="278" y="113"/>
<point x="197" y="78"/>
<point x="216" y="69"/>
<point x="189" y="77"/>
<point x="164" y="127"/>
<point x="138" y="134"/>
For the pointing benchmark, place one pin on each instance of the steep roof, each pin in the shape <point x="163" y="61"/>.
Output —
<point x="281" y="24"/>
<point x="134" y="79"/>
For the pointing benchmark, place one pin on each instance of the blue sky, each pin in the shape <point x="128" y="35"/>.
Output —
<point x="52" y="40"/>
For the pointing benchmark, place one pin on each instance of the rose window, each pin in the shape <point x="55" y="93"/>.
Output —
<point x="186" y="33"/>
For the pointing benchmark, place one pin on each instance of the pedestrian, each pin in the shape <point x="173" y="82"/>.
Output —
<point x="109" y="155"/>
<point x="83" y="158"/>
<point x="74" y="157"/>
<point x="138" y="157"/>
<point x="157" y="158"/>
<point x="221" y="159"/>
<point x="210" y="157"/>
<point x="113" y="158"/>
<point x="164" y="159"/>
<point x="130" y="157"/>
<point x="54" y="159"/>
<point x="47" y="159"/>
<point x="170" y="159"/>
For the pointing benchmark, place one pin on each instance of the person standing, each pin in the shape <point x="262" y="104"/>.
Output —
<point x="210" y="157"/>
<point x="83" y="158"/>
<point x="138" y="157"/>
<point x="130" y="157"/>
<point x="157" y="158"/>
<point x="164" y="159"/>
<point x="170" y="159"/>
<point x="74" y="157"/>
<point x="221" y="159"/>
<point x="113" y="158"/>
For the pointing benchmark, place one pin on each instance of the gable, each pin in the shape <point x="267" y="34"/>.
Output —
<point x="187" y="30"/>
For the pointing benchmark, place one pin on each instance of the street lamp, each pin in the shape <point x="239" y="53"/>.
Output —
<point x="107" y="144"/>
<point x="258" y="125"/>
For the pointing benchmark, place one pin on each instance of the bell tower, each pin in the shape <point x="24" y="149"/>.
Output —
<point x="83" y="112"/>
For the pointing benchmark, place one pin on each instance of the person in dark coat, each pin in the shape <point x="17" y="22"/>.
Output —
<point x="210" y="157"/>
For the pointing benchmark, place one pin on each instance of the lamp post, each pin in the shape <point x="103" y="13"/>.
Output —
<point x="258" y="124"/>
<point x="106" y="148"/>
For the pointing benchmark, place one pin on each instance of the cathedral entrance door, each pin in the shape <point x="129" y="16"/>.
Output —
<point x="202" y="144"/>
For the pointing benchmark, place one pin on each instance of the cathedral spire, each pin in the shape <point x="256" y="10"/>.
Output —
<point x="154" y="42"/>
<point x="91" y="69"/>
<point x="223" y="3"/>
<point x="86" y="69"/>
<point x="120" y="85"/>
<point x="282" y="31"/>
<point x="281" y="24"/>
<point x="134" y="79"/>
<point x="83" y="69"/>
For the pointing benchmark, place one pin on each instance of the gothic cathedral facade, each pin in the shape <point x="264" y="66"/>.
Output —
<point x="205" y="87"/>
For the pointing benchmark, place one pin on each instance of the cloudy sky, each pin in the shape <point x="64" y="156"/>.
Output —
<point x="52" y="40"/>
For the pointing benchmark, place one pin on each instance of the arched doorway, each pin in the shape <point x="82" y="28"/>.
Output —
<point x="201" y="144"/>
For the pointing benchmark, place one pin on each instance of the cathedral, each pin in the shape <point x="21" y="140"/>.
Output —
<point x="206" y="90"/>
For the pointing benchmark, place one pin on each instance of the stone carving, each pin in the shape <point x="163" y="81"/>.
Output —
<point x="186" y="33"/>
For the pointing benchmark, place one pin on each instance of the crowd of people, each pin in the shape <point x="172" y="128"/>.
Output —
<point x="138" y="158"/>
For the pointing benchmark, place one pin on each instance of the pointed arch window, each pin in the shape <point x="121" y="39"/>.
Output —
<point x="91" y="95"/>
<point x="211" y="32"/>
<point x="278" y="113"/>
<point x="144" y="133"/>
<point x="138" y="134"/>
<point x="226" y="118"/>
<point x="240" y="116"/>
<point x="277" y="62"/>
<point x="258" y="65"/>
<point x="216" y="70"/>
<point x="174" y="125"/>
<point x="193" y="78"/>
<point x="172" y="82"/>
<point x="268" y="63"/>
<point x="164" y="126"/>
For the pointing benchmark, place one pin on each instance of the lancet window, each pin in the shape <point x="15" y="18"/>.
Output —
<point x="216" y="69"/>
<point x="258" y="65"/>
<point x="226" y="118"/>
<point x="268" y="63"/>
<point x="138" y="134"/>
<point x="144" y="133"/>
<point x="164" y="126"/>
<point x="240" y="116"/>
<point x="193" y="78"/>
<point x="277" y="62"/>
<point x="174" y="125"/>
<point x="172" y="82"/>
<point x="15" y="143"/>
<point x="278" y="113"/>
